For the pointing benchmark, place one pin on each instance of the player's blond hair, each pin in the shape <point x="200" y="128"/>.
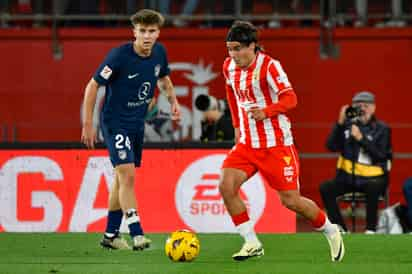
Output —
<point x="147" y="17"/>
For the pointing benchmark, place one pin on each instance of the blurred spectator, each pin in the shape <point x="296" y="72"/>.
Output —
<point x="397" y="10"/>
<point x="79" y="7"/>
<point x="60" y="6"/>
<point x="341" y="9"/>
<point x="397" y="219"/>
<point x="275" y="23"/>
<point x="188" y="8"/>
<point x="4" y="11"/>
<point x="131" y="6"/>
<point x="228" y="8"/>
<point x="361" y="7"/>
<point x="404" y="211"/>
<point x="306" y="9"/>
<point x="4" y="5"/>
<point x="24" y="6"/>
<point x="158" y="125"/>
<point x="38" y="11"/>
<point x="407" y="191"/>
<point x="217" y="121"/>
<point x="364" y="143"/>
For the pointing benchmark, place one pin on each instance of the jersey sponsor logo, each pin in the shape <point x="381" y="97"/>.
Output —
<point x="106" y="72"/>
<point x="144" y="90"/>
<point x="246" y="100"/>
<point x="288" y="172"/>
<point x="200" y="204"/>
<point x="131" y="76"/>
<point x="142" y="95"/>
<point x="157" y="70"/>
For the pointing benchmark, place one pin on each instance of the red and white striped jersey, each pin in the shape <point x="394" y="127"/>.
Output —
<point x="259" y="85"/>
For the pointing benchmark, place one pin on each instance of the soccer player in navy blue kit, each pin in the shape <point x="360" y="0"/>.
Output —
<point x="129" y="73"/>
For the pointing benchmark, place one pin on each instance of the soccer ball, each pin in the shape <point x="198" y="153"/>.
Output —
<point x="182" y="246"/>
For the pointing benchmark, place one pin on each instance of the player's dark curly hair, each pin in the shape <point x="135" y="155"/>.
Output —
<point x="243" y="32"/>
<point x="147" y="17"/>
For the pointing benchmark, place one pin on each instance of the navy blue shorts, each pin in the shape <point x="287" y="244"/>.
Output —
<point x="124" y="147"/>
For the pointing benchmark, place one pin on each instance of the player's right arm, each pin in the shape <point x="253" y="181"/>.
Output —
<point x="88" y="131"/>
<point x="103" y="76"/>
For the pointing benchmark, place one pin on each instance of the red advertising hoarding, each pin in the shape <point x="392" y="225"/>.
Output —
<point x="67" y="190"/>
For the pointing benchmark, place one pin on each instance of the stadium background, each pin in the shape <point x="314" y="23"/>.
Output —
<point x="41" y="91"/>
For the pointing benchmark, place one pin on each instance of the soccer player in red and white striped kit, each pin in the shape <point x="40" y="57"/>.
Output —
<point x="259" y="95"/>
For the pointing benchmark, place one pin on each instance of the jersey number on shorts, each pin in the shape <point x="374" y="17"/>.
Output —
<point x="121" y="142"/>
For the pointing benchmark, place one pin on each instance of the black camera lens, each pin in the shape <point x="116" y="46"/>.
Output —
<point x="202" y="102"/>
<point x="353" y="112"/>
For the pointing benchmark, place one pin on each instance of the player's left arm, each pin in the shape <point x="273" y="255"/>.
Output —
<point x="279" y="83"/>
<point x="165" y="85"/>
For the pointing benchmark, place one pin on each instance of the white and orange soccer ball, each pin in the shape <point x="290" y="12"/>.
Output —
<point x="182" y="246"/>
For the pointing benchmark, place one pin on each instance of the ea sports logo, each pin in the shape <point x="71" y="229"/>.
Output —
<point x="200" y="204"/>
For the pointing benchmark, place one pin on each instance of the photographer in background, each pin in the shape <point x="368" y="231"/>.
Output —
<point x="216" y="122"/>
<point x="364" y="141"/>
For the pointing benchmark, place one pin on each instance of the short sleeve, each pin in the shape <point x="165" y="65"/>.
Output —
<point x="225" y="71"/>
<point x="108" y="68"/>
<point x="164" y="70"/>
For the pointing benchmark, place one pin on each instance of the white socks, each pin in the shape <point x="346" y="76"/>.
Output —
<point x="132" y="216"/>
<point x="328" y="228"/>
<point x="247" y="232"/>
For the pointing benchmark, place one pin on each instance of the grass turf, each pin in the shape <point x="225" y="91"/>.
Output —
<point x="44" y="253"/>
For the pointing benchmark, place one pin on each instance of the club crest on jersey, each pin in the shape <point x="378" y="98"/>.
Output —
<point x="157" y="70"/>
<point x="287" y="159"/>
<point x="122" y="154"/>
<point x="256" y="75"/>
<point x="106" y="72"/>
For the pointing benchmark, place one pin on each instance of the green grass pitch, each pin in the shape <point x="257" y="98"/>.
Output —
<point x="33" y="253"/>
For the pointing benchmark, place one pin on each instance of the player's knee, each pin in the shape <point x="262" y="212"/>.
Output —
<point x="223" y="188"/>
<point x="126" y="177"/>
<point x="127" y="180"/>
<point x="226" y="189"/>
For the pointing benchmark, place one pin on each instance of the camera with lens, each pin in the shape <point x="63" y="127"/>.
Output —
<point x="205" y="102"/>
<point x="353" y="113"/>
<point x="216" y="123"/>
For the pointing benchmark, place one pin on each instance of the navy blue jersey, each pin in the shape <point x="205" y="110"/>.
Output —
<point x="130" y="82"/>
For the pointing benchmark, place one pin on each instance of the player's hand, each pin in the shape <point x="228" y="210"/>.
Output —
<point x="175" y="111"/>
<point x="257" y="113"/>
<point x="342" y="114"/>
<point x="356" y="133"/>
<point x="89" y="136"/>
